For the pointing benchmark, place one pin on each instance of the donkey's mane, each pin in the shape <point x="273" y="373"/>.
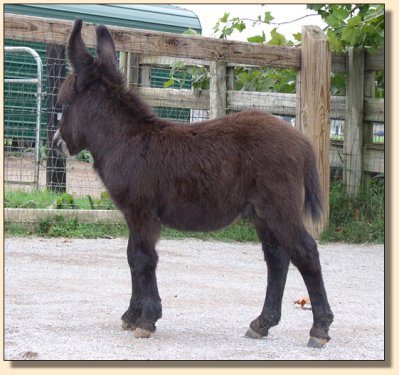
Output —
<point x="119" y="89"/>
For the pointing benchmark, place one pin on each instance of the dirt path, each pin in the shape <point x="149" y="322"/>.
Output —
<point x="64" y="299"/>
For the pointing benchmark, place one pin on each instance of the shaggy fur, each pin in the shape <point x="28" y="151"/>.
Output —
<point x="193" y="177"/>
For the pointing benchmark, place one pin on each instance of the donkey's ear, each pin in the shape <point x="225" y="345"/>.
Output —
<point x="80" y="58"/>
<point x="106" y="48"/>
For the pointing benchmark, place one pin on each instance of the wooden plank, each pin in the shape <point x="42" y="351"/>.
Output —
<point x="374" y="159"/>
<point x="123" y="65"/>
<point x="338" y="107"/>
<point x="369" y="92"/>
<point x="353" y="130"/>
<point x="133" y="63"/>
<point x="145" y="76"/>
<point x="175" y="98"/>
<point x="230" y="76"/>
<point x="282" y="104"/>
<point x="23" y="215"/>
<point x="373" y="156"/>
<point x="170" y="60"/>
<point x="375" y="61"/>
<point x="314" y="113"/>
<point x="338" y="62"/>
<point x="155" y="43"/>
<point x="374" y="110"/>
<point x="277" y="103"/>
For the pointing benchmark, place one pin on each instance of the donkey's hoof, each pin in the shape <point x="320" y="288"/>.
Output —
<point x="315" y="342"/>
<point x="128" y="326"/>
<point x="141" y="333"/>
<point x="253" y="335"/>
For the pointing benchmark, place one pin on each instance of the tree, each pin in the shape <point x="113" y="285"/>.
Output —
<point x="353" y="25"/>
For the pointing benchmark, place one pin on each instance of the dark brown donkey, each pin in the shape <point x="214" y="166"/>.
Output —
<point x="193" y="177"/>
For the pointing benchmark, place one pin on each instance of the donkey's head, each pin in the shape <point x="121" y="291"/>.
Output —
<point x="84" y="92"/>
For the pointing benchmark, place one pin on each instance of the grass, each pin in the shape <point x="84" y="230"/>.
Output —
<point x="242" y="231"/>
<point x="49" y="199"/>
<point x="358" y="220"/>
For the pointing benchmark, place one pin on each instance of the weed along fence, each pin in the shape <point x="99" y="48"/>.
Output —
<point x="191" y="78"/>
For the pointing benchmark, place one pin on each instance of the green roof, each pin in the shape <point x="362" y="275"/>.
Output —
<point x="157" y="17"/>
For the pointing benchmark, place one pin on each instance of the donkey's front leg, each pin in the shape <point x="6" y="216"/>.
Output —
<point x="134" y="311"/>
<point x="277" y="268"/>
<point x="145" y="304"/>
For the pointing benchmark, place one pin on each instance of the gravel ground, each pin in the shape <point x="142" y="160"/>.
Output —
<point x="64" y="299"/>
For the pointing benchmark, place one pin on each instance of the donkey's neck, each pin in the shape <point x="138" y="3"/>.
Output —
<point x="123" y="118"/>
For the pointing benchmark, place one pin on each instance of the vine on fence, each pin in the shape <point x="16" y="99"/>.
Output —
<point x="348" y="25"/>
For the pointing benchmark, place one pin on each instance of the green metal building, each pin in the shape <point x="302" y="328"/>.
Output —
<point x="19" y="102"/>
<point x="157" y="17"/>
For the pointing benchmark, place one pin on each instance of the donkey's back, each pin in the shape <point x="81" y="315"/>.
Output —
<point x="211" y="172"/>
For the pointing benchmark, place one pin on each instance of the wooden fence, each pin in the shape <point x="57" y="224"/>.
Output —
<point x="311" y="105"/>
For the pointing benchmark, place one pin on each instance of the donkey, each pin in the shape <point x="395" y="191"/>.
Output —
<point x="197" y="177"/>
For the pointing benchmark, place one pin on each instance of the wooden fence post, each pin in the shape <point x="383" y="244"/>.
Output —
<point x="353" y="129"/>
<point x="369" y="92"/>
<point x="129" y="66"/>
<point x="313" y="114"/>
<point x="56" y="163"/>
<point x="217" y="89"/>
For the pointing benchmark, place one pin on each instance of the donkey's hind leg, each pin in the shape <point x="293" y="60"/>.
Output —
<point x="305" y="256"/>
<point x="302" y="251"/>
<point x="277" y="268"/>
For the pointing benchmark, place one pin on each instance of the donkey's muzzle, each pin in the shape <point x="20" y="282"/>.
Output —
<point x="59" y="144"/>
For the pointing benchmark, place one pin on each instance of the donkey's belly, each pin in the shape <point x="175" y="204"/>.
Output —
<point x="197" y="218"/>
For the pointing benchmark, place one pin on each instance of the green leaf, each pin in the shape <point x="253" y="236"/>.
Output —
<point x="340" y="12"/>
<point x="268" y="17"/>
<point x="169" y="83"/>
<point x="332" y="21"/>
<point x="105" y="195"/>
<point x="190" y="32"/>
<point x="225" y="18"/>
<point x="316" y="7"/>
<point x="227" y="31"/>
<point x="338" y="84"/>
<point x="256" y="39"/>
<point x="351" y="35"/>
<point x="240" y="26"/>
<point x="277" y="38"/>
<point x="335" y="44"/>
<point x="297" y="36"/>
<point x="354" y="21"/>
<point x="177" y="65"/>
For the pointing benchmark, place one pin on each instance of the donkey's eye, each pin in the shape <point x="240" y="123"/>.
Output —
<point x="65" y="107"/>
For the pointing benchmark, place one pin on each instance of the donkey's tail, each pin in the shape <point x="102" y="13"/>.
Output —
<point x="313" y="197"/>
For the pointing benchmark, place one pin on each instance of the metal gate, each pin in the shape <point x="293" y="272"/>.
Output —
<point x="18" y="120"/>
